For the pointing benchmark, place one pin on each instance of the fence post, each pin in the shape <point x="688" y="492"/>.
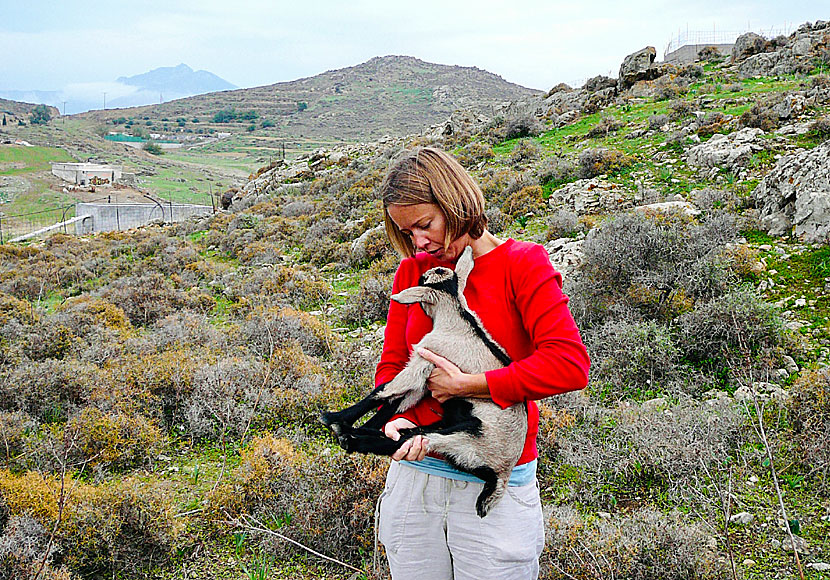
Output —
<point x="1" y="230"/>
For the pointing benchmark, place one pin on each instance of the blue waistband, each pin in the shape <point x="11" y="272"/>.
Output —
<point x="521" y="475"/>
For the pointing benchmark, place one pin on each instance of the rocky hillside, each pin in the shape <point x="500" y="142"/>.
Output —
<point x="173" y="376"/>
<point x="395" y="95"/>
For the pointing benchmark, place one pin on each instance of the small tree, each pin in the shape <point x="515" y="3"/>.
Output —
<point x="153" y="148"/>
<point x="40" y="115"/>
<point x="302" y="106"/>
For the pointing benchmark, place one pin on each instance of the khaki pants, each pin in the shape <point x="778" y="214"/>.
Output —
<point x="429" y="527"/>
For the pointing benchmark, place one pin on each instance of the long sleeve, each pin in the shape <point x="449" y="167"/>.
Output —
<point x="558" y="362"/>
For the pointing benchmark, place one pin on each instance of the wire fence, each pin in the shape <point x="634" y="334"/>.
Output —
<point x="22" y="224"/>
<point x="710" y="37"/>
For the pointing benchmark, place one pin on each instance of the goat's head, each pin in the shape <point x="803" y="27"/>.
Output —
<point x="439" y="282"/>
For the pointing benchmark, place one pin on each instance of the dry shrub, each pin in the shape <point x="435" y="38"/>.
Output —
<point x="145" y="298"/>
<point x="617" y="455"/>
<point x="563" y="224"/>
<point x="555" y="171"/>
<point x="15" y="426"/>
<point x="649" y="266"/>
<point x="522" y="126"/>
<point x="712" y="200"/>
<point x="679" y="109"/>
<point x="98" y="311"/>
<point x="593" y="162"/>
<point x="14" y="308"/>
<point x="712" y="123"/>
<point x="122" y="529"/>
<point x="527" y="200"/>
<point x="23" y="551"/>
<point x="643" y="545"/>
<point x="474" y="153"/>
<point x="225" y="396"/>
<point x="743" y="260"/>
<point x="631" y="358"/>
<point x="731" y="331"/>
<point x="809" y="412"/>
<point x="185" y="329"/>
<point x="525" y="150"/>
<point x="300" y="390"/>
<point x="49" y="390"/>
<point x="265" y="330"/>
<point x="820" y="129"/>
<point x="323" y="499"/>
<point x="115" y="440"/>
<point x="760" y="116"/>
<point x="295" y="286"/>
<point x="605" y="127"/>
<point x="49" y="340"/>
<point x="371" y="302"/>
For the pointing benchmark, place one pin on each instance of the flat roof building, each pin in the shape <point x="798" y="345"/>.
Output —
<point x="87" y="173"/>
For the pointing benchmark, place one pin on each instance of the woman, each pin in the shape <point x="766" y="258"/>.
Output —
<point x="428" y="522"/>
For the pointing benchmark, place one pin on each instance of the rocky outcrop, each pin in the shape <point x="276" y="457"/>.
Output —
<point x="638" y="66"/>
<point x="599" y="83"/>
<point x="590" y="196"/>
<point x="795" y="195"/>
<point x="728" y="151"/>
<point x="565" y="254"/>
<point x="747" y="45"/>
<point x="787" y="55"/>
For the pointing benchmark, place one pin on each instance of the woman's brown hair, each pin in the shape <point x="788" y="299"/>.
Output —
<point x="429" y="175"/>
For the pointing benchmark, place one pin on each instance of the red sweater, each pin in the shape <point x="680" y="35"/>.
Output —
<point x="518" y="296"/>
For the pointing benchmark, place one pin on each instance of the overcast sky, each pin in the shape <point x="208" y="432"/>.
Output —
<point x="48" y="45"/>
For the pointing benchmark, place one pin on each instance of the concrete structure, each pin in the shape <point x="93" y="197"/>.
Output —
<point x="87" y="173"/>
<point x="108" y="217"/>
<point x="688" y="54"/>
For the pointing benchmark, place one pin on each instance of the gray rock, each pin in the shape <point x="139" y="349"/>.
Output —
<point x="818" y="566"/>
<point x="747" y="45"/>
<point x="802" y="46"/>
<point x="796" y="195"/>
<point x="565" y="255"/>
<point x="791" y="105"/>
<point x="727" y="151"/>
<point x="742" y="519"/>
<point x="588" y="196"/>
<point x="759" y="65"/>
<point x="790" y="364"/>
<point x="638" y="66"/>
<point x="598" y="83"/>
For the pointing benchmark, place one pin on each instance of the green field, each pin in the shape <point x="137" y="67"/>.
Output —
<point x="18" y="159"/>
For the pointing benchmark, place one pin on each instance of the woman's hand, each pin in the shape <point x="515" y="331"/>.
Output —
<point x="413" y="449"/>
<point x="447" y="381"/>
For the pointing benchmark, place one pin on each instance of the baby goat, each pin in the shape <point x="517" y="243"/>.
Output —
<point x="474" y="435"/>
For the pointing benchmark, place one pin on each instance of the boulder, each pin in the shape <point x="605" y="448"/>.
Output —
<point x="790" y="106"/>
<point x="727" y="151"/>
<point x="795" y="195"/>
<point x="590" y="196"/>
<point x="747" y="45"/>
<point x="638" y="66"/>
<point x="598" y="83"/>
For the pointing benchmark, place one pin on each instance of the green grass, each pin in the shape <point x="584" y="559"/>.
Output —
<point x="17" y="159"/>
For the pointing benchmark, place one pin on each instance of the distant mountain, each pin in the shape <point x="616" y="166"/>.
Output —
<point x="158" y="85"/>
<point x="181" y="80"/>
<point x="393" y="95"/>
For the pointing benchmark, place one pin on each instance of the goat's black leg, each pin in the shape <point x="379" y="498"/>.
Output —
<point x="336" y="419"/>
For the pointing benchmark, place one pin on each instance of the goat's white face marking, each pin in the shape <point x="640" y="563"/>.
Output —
<point x="438" y="275"/>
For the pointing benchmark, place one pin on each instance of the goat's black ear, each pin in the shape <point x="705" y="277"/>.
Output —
<point x="415" y="294"/>
<point x="463" y="267"/>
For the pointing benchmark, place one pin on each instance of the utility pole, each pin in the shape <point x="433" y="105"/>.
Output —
<point x="64" y="112"/>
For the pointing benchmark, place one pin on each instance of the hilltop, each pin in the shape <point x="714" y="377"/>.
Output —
<point x="395" y="95"/>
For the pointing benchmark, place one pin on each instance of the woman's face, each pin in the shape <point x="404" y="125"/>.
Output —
<point x="426" y="226"/>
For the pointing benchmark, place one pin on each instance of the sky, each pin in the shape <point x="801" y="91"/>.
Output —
<point x="84" y="45"/>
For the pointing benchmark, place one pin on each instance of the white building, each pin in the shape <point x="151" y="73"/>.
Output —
<point x="87" y="173"/>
